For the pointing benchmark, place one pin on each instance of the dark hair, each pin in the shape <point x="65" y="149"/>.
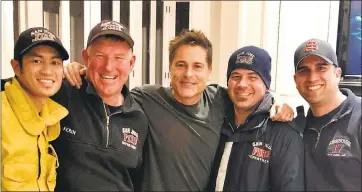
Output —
<point x="113" y="37"/>
<point x="21" y="62"/>
<point x="193" y="38"/>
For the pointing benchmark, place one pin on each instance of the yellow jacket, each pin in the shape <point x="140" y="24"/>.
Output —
<point x="28" y="160"/>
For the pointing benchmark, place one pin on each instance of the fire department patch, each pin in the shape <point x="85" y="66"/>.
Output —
<point x="130" y="138"/>
<point x="261" y="152"/>
<point x="311" y="46"/>
<point x="339" y="148"/>
<point x="244" y="58"/>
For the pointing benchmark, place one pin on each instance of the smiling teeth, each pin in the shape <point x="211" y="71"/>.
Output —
<point x="108" y="77"/>
<point x="45" y="80"/>
<point x="243" y="94"/>
<point x="187" y="83"/>
<point x="314" y="87"/>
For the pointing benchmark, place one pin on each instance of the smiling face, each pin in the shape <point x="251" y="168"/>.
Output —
<point x="109" y="62"/>
<point x="246" y="89"/>
<point x="317" y="81"/>
<point x="189" y="72"/>
<point x="41" y="72"/>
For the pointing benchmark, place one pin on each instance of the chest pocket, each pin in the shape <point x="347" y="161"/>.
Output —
<point x="343" y="151"/>
<point x="18" y="176"/>
<point x="51" y="164"/>
<point x="125" y="142"/>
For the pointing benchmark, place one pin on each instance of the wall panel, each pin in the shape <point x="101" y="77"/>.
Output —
<point x="135" y="29"/>
<point x="7" y="38"/>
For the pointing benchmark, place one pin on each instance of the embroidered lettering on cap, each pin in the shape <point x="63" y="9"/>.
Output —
<point x="244" y="58"/>
<point x="111" y="26"/>
<point x="311" y="46"/>
<point x="41" y="35"/>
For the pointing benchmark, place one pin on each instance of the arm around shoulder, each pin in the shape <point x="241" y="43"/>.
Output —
<point x="63" y="95"/>
<point x="287" y="165"/>
<point x="138" y="94"/>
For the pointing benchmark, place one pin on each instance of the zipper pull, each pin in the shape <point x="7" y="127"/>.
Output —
<point x="231" y="127"/>
<point x="316" y="144"/>
<point x="107" y="124"/>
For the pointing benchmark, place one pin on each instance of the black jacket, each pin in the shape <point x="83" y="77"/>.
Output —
<point x="333" y="151"/>
<point x="92" y="157"/>
<point x="260" y="155"/>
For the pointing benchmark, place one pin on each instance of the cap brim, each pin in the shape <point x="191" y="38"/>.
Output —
<point x="61" y="50"/>
<point x="126" y="37"/>
<point x="316" y="54"/>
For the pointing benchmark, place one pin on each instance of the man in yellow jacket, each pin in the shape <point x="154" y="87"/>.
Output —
<point x="29" y="118"/>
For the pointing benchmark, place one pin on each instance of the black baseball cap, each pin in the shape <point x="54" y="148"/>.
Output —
<point x="315" y="47"/>
<point x="38" y="36"/>
<point x="107" y="27"/>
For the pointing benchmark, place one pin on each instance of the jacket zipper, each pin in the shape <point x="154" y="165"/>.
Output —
<point x="107" y="124"/>
<point x="231" y="127"/>
<point x="320" y="132"/>
<point x="237" y="127"/>
<point x="39" y="162"/>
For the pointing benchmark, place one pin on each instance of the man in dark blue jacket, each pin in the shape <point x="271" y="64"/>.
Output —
<point x="332" y="136"/>
<point x="255" y="153"/>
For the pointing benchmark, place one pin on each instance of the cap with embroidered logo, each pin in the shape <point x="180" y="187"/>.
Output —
<point x="251" y="58"/>
<point x="315" y="47"/>
<point x="107" y="27"/>
<point x="38" y="36"/>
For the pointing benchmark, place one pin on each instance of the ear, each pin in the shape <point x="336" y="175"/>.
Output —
<point x="294" y="78"/>
<point x="85" y="57"/>
<point x="16" y="67"/>
<point x="170" y="71"/>
<point x="132" y="61"/>
<point x="338" y="72"/>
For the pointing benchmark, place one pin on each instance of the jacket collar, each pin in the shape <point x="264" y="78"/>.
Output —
<point x="128" y="105"/>
<point x="26" y="113"/>
<point x="256" y="119"/>
<point x="345" y="109"/>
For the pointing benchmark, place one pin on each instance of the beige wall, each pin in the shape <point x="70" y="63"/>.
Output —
<point x="277" y="26"/>
<point x="7" y="38"/>
<point x="27" y="19"/>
